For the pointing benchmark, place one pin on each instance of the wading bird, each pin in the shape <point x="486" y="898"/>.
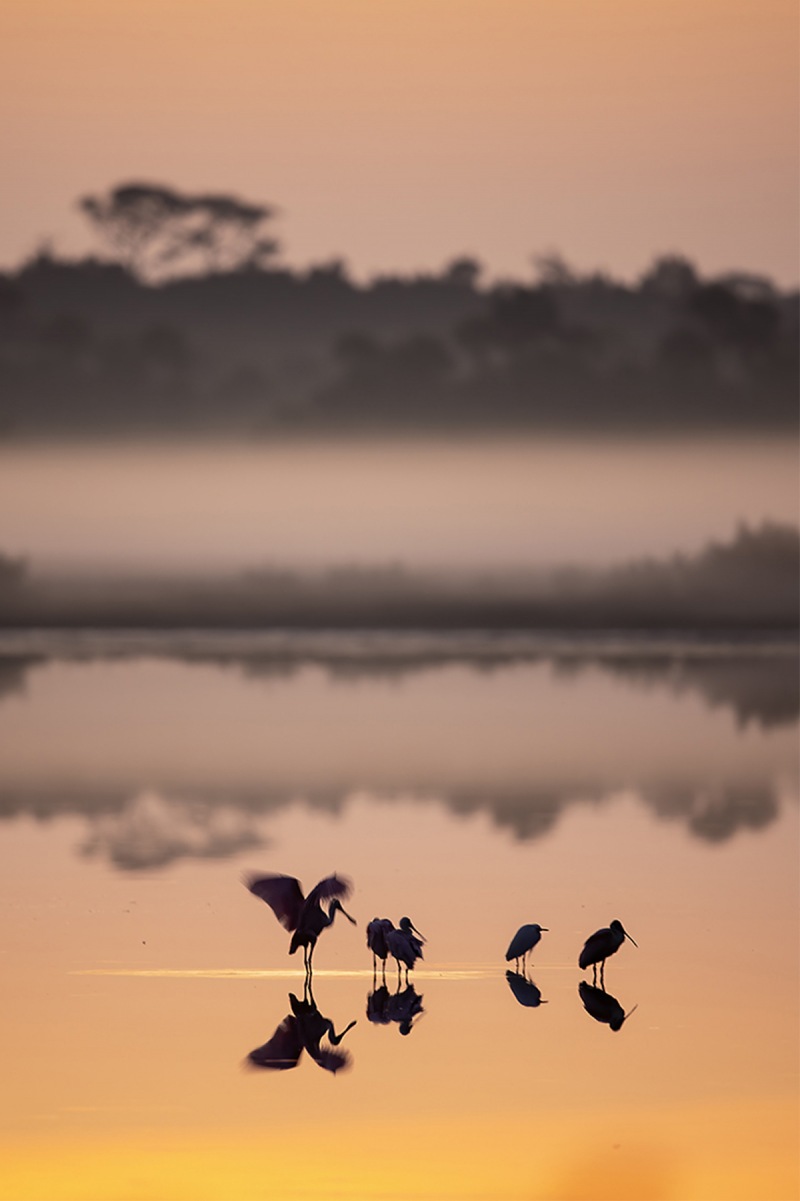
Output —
<point x="523" y="942"/>
<point x="403" y="946"/>
<point x="600" y="1005"/>
<point x="302" y="915"/>
<point x="601" y="944"/>
<point x="377" y="930"/>
<point x="303" y="1030"/>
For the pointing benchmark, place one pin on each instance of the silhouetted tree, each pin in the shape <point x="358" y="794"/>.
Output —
<point x="156" y="229"/>
<point x="463" y="272"/>
<point x="740" y="321"/>
<point x="670" y="277"/>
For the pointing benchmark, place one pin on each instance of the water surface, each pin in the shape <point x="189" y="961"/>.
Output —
<point x="475" y="793"/>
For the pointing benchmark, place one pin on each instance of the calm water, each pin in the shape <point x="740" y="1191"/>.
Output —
<point x="474" y="788"/>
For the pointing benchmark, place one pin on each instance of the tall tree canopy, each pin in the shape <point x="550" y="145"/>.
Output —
<point x="158" y="231"/>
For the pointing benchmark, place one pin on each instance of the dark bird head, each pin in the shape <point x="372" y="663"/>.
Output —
<point x="406" y="924"/>
<point x="337" y="904"/>
<point x="618" y="928"/>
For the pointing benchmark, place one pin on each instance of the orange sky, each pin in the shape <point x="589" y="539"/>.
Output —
<point x="402" y="132"/>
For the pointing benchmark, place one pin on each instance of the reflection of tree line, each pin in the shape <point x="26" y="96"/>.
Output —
<point x="195" y="326"/>
<point x="759" y="684"/>
<point x="152" y="829"/>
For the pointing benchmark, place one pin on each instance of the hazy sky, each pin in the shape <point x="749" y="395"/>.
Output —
<point x="399" y="133"/>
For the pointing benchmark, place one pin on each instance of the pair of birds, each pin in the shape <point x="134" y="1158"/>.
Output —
<point x="305" y="918"/>
<point x="403" y="943"/>
<point x="596" y="950"/>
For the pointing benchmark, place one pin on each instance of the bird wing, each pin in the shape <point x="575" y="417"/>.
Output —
<point x="332" y="1059"/>
<point x="330" y="887"/>
<point x="399" y="947"/>
<point x="282" y="1051"/>
<point x="283" y="894"/>
<point x="594" y="949"/>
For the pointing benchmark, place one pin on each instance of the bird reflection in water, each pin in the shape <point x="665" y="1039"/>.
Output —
<point x="524" y="990"/>
<point x="401" y="1007"/>
<point x="604" y="1008"/>
<point x="303" y="1030"/>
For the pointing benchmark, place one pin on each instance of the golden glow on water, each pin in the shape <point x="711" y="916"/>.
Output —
<point x="693" y="1153"/>
<point x="134" y="995"/>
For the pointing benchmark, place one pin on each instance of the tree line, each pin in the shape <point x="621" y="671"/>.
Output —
<point x="189" y="321"/>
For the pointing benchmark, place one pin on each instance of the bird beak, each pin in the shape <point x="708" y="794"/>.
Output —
<point x="546" y="929"/>
<point x="347" y="915"/>
<point x="416" y="931"/>
<point x="633" y="940"/>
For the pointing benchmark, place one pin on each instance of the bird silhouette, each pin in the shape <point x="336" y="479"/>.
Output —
<point x="523" y="942"/>
<point x="304" y="916"/>
<point x="384" y="1008"/>
<point x="602" y="1006"/>
<point x="404" y="945"/>
<point x="524" y="990"/>
<point x="405" y="1007"/>
<point x="377" y="930"/>
<point x="600" y="945"/>
<point x="378" y="1006"/>
<point x="303" y="1030"/>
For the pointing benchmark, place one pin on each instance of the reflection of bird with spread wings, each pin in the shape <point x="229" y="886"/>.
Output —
<point x="304" y="916"/>
<point x="303" y="1030"/>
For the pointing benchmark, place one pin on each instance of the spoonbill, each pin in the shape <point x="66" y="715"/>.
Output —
<point x="377" y="930"/>
<point x="601" y="944"/>
<point x="302" y="915"/>
<point x="404" y="946"/>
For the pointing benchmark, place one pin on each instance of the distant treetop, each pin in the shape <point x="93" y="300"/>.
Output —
<point x="156" y="230"/>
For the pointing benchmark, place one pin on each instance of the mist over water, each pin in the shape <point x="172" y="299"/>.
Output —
<point x="487" y="504"/>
